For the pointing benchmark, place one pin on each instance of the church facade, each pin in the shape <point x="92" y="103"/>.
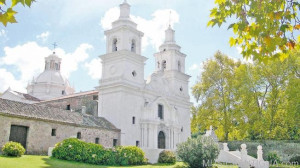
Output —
<point x="154" y="113"/>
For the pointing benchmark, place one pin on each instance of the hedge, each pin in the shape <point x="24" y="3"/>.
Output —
<point x="76" y="150"/>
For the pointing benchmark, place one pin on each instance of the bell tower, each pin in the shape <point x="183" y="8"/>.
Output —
<point x="123" y="61"/>
<point x="171" y="62"/>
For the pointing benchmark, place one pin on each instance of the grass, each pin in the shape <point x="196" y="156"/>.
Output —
<point x="30" y="161"/>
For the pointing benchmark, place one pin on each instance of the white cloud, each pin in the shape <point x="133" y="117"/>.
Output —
<point x="196" y="67"/>
<point x="94" y="68"/>
<point x="44" y="36"/>
<point x="28" y="61"/>
<point x="239" y="49"/>
<point x="70" y="61"/>
<point x="2" y="33"/>
<point x="153" y="28"/>
<point x="7" y="79"/>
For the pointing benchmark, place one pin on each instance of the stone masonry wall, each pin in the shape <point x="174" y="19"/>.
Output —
<point x="76" y="103"/>
<point x="39" y="137"/>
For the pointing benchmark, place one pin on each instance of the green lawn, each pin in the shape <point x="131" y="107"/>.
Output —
<point x="30" y="161"/>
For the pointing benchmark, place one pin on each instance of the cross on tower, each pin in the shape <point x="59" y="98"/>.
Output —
<point x="54" y="46"/>
<point x="170" y="18"/>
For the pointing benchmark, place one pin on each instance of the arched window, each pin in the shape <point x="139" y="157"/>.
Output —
<point x="161" y="140"/>
<point x="158" y="65"/>
<point x="133" y="46"/>
<point x="114" y="45"/>
<point x="56" y="66"/>
<point x="164" y="64"/>
<point x="179" y="66"/>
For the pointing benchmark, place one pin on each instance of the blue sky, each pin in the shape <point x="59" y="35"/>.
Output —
<point x="77" y="27"/>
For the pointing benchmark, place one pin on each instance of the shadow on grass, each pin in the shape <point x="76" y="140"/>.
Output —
<point x="56" y="163"/>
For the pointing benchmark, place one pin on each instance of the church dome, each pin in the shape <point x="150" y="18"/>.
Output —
<point x="52" y="77"/>
<point x="50" y="83"/>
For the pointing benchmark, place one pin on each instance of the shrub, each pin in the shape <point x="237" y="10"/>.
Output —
<point x="167" y="157"/>
<point x="130" y="155"/>
<point x="273" y="157"/>
<point x="295" y="159"/>
<point x="13" y="149"/>
<point x="198" y="152"/>
<point x="80" y="151"/>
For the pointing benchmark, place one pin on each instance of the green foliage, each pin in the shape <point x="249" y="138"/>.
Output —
<point x="285" y="149"/>
<point x="262" y="28"/>
<point x="167" y="157"/>
<point x="198" y="152"/>
<point x="295" y="159"/>
<point x="130" y="155"/>
<point x="13" y="149"/>
<point x="273" y="157"/>
<point x="8" y="15"/>
<point x="248" y="101"/>
<point x="76" y="150"/>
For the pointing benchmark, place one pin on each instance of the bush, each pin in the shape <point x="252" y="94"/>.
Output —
<point x="13" y="149"/>
<point x="198" y="152"/>
<point x="295" y="159"/>
<point x="80" y="151"/>
<point x="273" y="157"/>
<point x="167" y="157"/>
<point x="130" y="155"/>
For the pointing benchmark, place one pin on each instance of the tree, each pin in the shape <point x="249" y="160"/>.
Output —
<point x="7" y="14"/>
<point x="249" y="100"/>
<point x="215" y="92"/>
<point x="265" y="29"/>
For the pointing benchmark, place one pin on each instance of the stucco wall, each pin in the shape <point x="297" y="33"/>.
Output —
<point x="39" y="137"/>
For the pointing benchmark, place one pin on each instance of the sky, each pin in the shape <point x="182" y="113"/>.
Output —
<point x="78" y="29"/>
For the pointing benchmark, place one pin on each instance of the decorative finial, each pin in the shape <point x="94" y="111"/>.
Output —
<point x="54" y="47"/>
<point x="125" y="1"/>
<point x="170" y="19"/>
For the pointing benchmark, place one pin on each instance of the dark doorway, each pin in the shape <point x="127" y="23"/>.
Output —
<point x="18" y="134"/>
<point x="161" y="140"/>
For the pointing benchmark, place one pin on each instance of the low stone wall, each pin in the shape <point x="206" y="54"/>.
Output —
<point x="39" y="137"/>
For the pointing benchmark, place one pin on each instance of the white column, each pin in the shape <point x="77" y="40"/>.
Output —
<point x="259" y="153"/>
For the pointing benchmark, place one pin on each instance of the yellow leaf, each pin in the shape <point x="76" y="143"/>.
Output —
<point x="232" y="41"/>
<point x="297" y="26"/>
<point x="220" y="1"/>
<point x="283" y="56"/>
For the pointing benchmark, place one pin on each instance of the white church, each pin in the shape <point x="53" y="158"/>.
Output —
<point x="152" y="113"/>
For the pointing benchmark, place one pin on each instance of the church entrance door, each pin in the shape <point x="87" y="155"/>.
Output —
<point x="161" y="140"/>
<point x="18" y="134"/>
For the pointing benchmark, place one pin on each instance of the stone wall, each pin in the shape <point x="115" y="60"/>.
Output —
<point x="89" y="100"/>
<point x="39" y="137"/>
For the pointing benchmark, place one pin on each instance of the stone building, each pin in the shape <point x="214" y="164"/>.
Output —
<point x="77" y="102"/>
<point x="37" y="128"/>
